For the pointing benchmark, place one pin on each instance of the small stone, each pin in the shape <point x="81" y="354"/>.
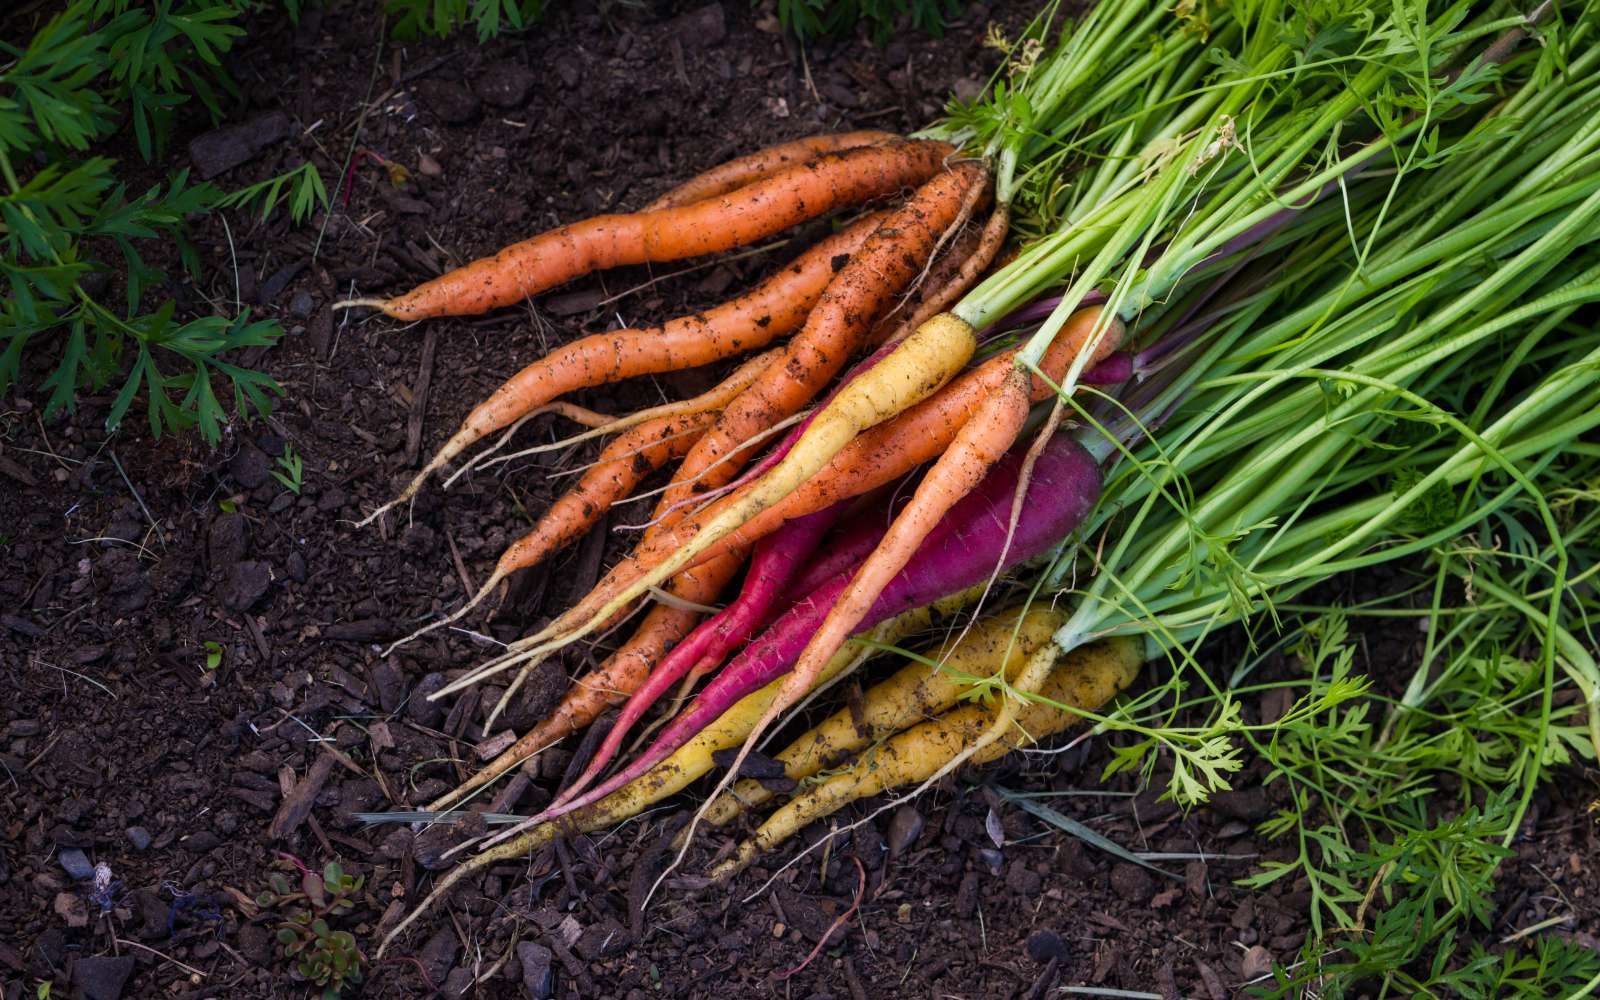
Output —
<point x="302" y="304"/>
<point x="423" y="712"/>
<point x="1045" y="944"/>
<point x="457" y="983"/>
<point x="228" y="539"/>
<point x="250" y="467"/>
<point x="255" y="943"/>
<point x="295" y="566"/>
<point x="992" y="860"/>
<point x="438" y="954"/>
<point x="504" y="84"/>
<point x="247" y="583"/>
<point x="70" y="907"/>
<point x="538" y="977"/>
<point x="904" y="829"/>
<point x="1257" y="962"/>
<point x="139" y="837"/>
<point x="390" y="684"/>
<point x="102" y="978"/>
<point x="1132" y="883"/>
<point x="427" y="166"/>
<point x="76" y="863"/>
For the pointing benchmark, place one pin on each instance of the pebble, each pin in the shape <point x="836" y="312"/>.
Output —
<point x="250" y="467"/>
<point x="422" y="711"/>
<point x="70" y="907"/>
<point x="76" y="863"/>
<point x="438" y="955"/>
<point x="246" y="584"/>
<point x="1131" y="882"/>
<point x="538" y="976"/>
<point x="1257" y="961"/>
<point x="139" y="837"/>
<point x="302" y="304"/>
<point x="904" y="829"/>
<point x="102" y="978"/>
<point x="1045" y="944"/>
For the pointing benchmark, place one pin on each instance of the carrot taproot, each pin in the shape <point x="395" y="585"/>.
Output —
<point x="790" y="196"/>
<point x="732" y="721"/>
<point x="913" y="693"/>
<point x="1084" y="680"/>
<point x="763" y="163"/>
<point x="773" y="308"/>
<point x="622" y="464"/>
<point x="836" y="328"/>
<point x="876" y="457"/>
<point x="986" y="436"/>
<point x="776" y="562"/>
<point x="712" y="399"/>
<point x="670" y="776"/>
<point x="614" y="680"/>
<point x="910" y="373"/>
<point x="960" y="552"/>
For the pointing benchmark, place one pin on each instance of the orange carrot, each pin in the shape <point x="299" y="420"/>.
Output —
<point x="836" y="328"/>
<point x="773" y="308"/>
<point x="614" y="680"/>
<point x="763" y="163"/>
<point x="876" y="457"/>
<point x="788" y="197"/>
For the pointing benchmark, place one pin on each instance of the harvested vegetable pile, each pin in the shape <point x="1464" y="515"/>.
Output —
<point x="1293" y="296"/>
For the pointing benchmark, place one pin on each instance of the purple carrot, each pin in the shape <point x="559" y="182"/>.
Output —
<point x="957" y="554"/>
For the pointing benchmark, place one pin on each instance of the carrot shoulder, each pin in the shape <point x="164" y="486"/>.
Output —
<point x="788" y="197"/>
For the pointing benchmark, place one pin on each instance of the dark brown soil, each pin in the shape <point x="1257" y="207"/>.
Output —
<point x="120" y="566"/>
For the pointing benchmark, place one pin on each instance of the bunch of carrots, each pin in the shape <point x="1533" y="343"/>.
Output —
<point x="898" y="435"/>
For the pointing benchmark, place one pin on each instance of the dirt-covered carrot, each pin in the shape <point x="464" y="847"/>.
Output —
<point x="912" y="694"/>
<point x="961" y="551"/>
<point x="672" y="775"/>
<point x="624" y="462"/>
<point x="614" y="680"/>
<point x="875" y="458"/>
<point x="776" y="562"/>
<point x="788" y="197"/>
<point x="909" y="374"/>
<point x="1085" y="679"/>
<point x="772" y="309"/>
<point x="748" y="169"/>
<point x="693" y="757"/>
<point x="837" y="327"/>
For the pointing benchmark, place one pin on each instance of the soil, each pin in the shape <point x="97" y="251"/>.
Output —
<point x="193" y="689"/>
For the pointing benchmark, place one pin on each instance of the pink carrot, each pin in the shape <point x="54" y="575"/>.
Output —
<point x="778" y="559"/>
<point x="959" y="553"/>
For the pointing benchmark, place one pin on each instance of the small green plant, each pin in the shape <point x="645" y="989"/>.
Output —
<point x="42" y="991"/>
<point x="213" y="654"/>
<point x="329" y="958"/>
<point x="71" y="228"/>
<point x="306" y="193"/>
<point x="291" y="469"/>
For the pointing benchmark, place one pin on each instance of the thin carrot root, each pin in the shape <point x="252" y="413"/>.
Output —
<point x="763" y="163"/>
<point x="1084" y="680"/>
<point x="914" y="693"/>
<point x="713" y="399"/>
<point x="367" y="301"/>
